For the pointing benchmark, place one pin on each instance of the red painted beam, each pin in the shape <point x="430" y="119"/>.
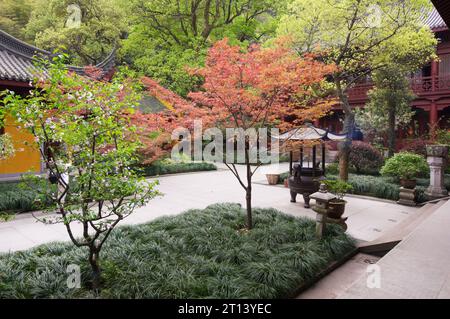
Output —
<point x="10" y="83"/>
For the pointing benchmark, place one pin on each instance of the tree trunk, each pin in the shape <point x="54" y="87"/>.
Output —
<point x="248" y="196"/>
<point x="391" y="130"/>
<point x="349" y="122"/>
<point x="94" y="255"/>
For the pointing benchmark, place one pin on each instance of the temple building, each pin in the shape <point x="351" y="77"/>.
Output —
<point x="17" y="66"/>
<point x="431" y="84"/>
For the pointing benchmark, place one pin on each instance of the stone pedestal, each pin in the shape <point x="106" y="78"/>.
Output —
<point x="437" y="159"/>
<point x="321" y="207"/>
<point x="407" y="197"/>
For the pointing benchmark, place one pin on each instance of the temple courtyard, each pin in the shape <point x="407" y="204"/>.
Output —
<point x="423" y="252"/>
<point x="368" y="218"/>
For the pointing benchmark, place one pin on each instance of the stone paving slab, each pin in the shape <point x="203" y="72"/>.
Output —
<point x="340" y="279"/>
<point x="418" y="267"/>
<point x="368" y="219"/>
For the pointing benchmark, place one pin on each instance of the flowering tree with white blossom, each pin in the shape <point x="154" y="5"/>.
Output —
<point x="82" y="127"/>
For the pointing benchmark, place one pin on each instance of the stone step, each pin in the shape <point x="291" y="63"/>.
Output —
<point x="392" y="237"/>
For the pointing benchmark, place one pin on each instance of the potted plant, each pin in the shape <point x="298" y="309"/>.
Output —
<point x="406" y="167"/>
<point x="337" y="206"/>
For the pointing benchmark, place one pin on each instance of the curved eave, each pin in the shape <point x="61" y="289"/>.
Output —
<point x="443" y="7"/>
<point x="106" y="65"/>
<point x="18" y="59"/>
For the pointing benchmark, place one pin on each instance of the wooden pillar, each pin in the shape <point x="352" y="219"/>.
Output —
<point x="434" y="74"/>
<point x="433" y="116"/>
<point x="314" y="160"/>
<point x="323" y="158"/>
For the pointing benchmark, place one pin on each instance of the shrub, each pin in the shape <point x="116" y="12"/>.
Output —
<point x="365" y="158"/>
<point x="338" y="187"/>
<point x="6" y="146"/>
<point x="443" y="137"/>
<point x="416" y="146"/>
<point x="16" y="199"/>
<point x="374" y="186"/>
<point x="386" y="187"/>
<point x="332" y="169"/>
<point x="163" y="167"/>
<point x="405" y="166"/>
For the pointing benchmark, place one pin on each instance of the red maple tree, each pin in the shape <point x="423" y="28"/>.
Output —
<point x="257" y="88"/>
<point x="155" y="128"/>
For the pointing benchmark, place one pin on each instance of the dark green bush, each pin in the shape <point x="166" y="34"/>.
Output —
<point x="15" y="198"/>
<point x="365" y="158"/>
<point x="416" y="146"/>
<point x="332" y="169"/>
<point x="164" y="167"/>
<point x="374" y="186"/>
<point x="386" y="187"/>
<point x="198" y="254"/>
<point x="405" y="165"/>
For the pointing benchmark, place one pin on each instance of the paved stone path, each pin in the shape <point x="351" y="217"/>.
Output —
<point x="418" y="267"/>
<point x="337" y="282"/>
<point x="368" y="219"/>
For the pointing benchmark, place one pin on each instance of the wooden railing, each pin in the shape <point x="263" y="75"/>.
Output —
<point x="419" y="85"/>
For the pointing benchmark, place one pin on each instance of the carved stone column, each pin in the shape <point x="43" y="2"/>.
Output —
<point x="437" y="160"/>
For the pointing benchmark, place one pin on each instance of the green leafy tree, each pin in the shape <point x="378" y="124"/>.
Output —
<point x="167" y="35"/>
<point x="389" y="105"/>
<point x="14" y="16"/>
<point x="90" y="150"/>
<point x="359" y="36"/>
<point x="7" y="149"/>
<point x="54" y="23"/>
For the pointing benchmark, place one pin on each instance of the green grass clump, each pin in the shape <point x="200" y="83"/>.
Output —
<point x="375" y="186"/>
<point x="386" y="187"/>
<point x="198" y="254"/>
<point x="16" y="198"/>
<point x="164" y="167"/>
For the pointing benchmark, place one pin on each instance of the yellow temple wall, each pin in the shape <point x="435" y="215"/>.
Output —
<point x="27" y="158"/>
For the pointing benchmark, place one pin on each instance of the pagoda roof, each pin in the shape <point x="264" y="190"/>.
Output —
<point x="310" y="132"/>
<point x="17" y="60"/>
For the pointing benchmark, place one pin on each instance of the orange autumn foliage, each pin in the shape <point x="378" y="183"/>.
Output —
<point x="262" y="86"/>
<point x="253" y="88"/>
<point x="155" y="129"/>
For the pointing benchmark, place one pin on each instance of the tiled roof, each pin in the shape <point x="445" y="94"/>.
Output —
<point x="443" y="7"/>
<point x="435" y="21"/>
<point x="17" y="60"/>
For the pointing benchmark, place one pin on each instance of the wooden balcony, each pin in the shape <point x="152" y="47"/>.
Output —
<point x="422" y="86"/>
